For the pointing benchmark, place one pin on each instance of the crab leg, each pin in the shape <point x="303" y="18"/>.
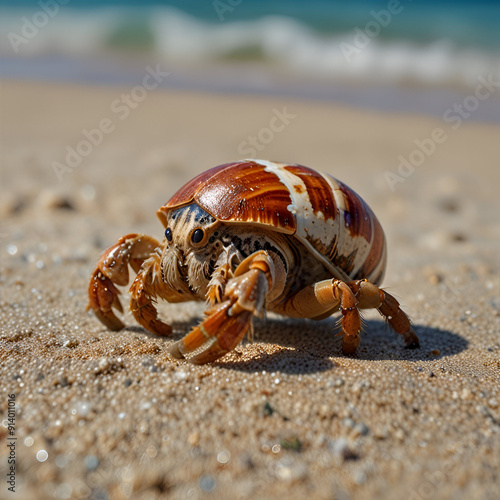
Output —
<point x="111" y="270"/>
<point x="324" y="298"/>
<point x="228" y="322"/>
<point x="145" y="288"/>
<point x="371" y="296"/>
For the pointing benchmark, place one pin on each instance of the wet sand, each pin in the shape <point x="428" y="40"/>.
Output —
<point x="111" y="415"/>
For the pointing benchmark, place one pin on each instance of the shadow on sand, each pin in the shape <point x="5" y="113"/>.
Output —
<point x="310" y="346"/>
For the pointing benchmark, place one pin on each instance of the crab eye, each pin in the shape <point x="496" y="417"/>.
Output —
<point x="168" y="234"/>
<point x="197" y="236"/>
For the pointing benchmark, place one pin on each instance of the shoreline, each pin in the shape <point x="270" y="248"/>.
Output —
<point x="257" y="80"/>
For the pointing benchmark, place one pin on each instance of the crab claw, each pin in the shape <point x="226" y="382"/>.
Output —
<point x="219" y="331"/>
<point x="112" y="270"/>
<point x="103" y="296"/>
<point x="142" y="303"/>
<point x="228" y="322"/>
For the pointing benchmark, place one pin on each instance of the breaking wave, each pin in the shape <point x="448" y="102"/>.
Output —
<point x="339" y="55"/>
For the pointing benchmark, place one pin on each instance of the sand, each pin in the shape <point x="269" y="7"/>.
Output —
<point x="111" y="415"/>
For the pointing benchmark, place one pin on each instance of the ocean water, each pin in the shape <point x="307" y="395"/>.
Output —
<point x="324" y="49"/>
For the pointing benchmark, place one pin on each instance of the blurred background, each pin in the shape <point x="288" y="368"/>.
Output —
<point x="389" y="54"/>
<point x="107" y="108"/>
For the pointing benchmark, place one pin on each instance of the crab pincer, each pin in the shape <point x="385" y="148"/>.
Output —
<point x="227" y="323"/>
<point x="112" y="270"/>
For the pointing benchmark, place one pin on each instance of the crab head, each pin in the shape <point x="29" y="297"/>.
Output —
<point x="191" y="251"/>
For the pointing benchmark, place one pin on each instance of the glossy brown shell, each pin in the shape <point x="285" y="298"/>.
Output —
<point x="328" y="217"/>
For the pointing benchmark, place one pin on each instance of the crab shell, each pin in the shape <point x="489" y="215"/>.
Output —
<point x="325" y="215"/>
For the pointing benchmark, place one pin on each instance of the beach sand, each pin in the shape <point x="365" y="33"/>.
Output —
<point x="111" y="415"/>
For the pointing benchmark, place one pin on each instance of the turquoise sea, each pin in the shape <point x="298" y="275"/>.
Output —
<point x="385" y="54"/>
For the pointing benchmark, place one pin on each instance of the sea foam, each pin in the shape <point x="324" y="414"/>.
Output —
<point x="278" y="41"/>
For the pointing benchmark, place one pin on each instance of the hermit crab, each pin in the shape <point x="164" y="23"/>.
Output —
<point x="247" y="237"/>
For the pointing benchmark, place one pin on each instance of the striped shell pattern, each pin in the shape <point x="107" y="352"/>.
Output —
<point x="328" y="217"/>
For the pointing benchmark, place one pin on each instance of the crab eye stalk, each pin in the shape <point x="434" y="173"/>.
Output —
<point x="168" y="234"/>
<point x="197" y="236"/>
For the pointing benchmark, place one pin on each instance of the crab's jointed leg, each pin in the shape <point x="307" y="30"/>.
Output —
<point x="146" y="287"/>
<point x="112" y="269"/>
<point x="322" y="299"/>
<point x="371" y="296"/>
<point x="228" y="322"/>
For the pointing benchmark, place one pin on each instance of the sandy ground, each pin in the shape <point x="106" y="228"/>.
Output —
<point x="108" y="415"/>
